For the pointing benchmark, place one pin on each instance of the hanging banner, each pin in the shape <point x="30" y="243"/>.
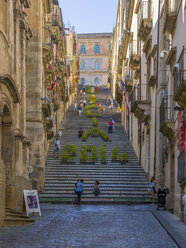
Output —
<point x="181" y="131"/>
<point x="31" y="202"/>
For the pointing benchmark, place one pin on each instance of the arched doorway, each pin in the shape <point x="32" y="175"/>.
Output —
<point x="7" y="154"/>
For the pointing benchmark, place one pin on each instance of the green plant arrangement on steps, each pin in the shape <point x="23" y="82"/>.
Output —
<point x="93" y="106"/>
<point x="84" y="158"/>
<point x="123" y="158"/>
<point x="83" y="154"/>
<point x="91" y="114"/>
<point x="103" y="154"/>
<point x="114" y="153"/>
<point x="95" y="132"/>
<point x="69" y="153"/>
<point x="94" y="122"/>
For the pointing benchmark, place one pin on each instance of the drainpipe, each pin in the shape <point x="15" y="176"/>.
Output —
<point x="157" y="72"/>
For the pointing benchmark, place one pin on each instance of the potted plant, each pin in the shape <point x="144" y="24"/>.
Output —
<point x="64" y="157"/>
<point x="103" y="154"/>
<point x="114" y="153"/>
<point x="123" y="158"/>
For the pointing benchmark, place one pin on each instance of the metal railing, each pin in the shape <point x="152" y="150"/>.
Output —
<point x="172" y="5"/>
<point x="129" y="75"/>
<point x="135" y="96"/>
<point x="134" y="48"/>
<point x="166" y="109"/>
<point x="180" y="71"/>
<point x="144" y="11"/>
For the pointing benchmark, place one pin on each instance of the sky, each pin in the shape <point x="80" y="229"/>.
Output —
<point x="90" y="16"/>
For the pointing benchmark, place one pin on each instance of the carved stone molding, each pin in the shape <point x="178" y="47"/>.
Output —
<point x="18" y="134"/>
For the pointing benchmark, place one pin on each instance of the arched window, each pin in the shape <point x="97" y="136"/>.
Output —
<point x="97" y="80"/>
<point x="82" y="81"/>
<point x="97" y="66"/>
<point x="83" y="66"/>
<point x="97" y="50"/>
<point x="82" y="49"/>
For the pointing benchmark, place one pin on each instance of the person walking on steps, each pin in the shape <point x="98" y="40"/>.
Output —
<point x="96" y="189"/>
<point x="79" y="190"/>
<point x="110" y="125"/>
<point x="57" y="149"/>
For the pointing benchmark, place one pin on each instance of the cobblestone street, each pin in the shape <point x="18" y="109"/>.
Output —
<point x="90" y="226"/>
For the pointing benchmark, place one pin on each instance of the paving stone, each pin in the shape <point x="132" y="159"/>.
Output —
<point x="89" y="226"/>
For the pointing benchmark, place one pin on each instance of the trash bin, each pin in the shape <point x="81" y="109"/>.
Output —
<point x="161" y="199"/>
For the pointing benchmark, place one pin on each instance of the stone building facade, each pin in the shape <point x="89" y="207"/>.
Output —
<point x="148" y="54"/>
<point x="14" y="139"/>
<point x="93" y="52"/>
<point x="32" y="57"/>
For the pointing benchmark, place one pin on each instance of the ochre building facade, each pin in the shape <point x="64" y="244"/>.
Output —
<point x="93" y="52"/>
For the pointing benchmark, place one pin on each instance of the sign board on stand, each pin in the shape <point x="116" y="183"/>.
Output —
<point x="32" y="202"/>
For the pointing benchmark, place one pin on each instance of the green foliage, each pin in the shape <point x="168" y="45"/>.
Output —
<point x="64" y="157"/>
<point x="94" y="122"/>
<point x="114" y="153"/>
<point x="95" y="132"/>
<point x="69" y="153"/>
<point x="89" y="90"/>
<point x="103" y="154"/>
<point x="123" y="157"/>
<point x="83" y="154"/>
<point x="93" y="106"/>
<point x="94" y="155"/>
<point x="91" y="114"/>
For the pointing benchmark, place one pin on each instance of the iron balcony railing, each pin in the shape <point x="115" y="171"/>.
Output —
<point x="172" y="5"/>
<point x="135" y="96"/>
<point x="134" y="48"/>
<point x="180" y="71"/>
<point x="166" y="109"/>
<point x="144" y="12"/>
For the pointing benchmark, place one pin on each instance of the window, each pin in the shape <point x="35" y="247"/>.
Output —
<point x="82" y="81"/>
<point x="97" y="66"/>
<point x="82" y="66"/>
<point x="82" y="49"/>
<point x="97" y="50"/>
<point x="97" y="80"/>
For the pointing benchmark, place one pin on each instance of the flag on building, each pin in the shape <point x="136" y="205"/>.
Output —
<point x="53" y="83"/>
<point x="122" y="85"/>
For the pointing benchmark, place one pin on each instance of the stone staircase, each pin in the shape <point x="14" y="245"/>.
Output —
<point x="15" y="218"/>
<point x="119" y="183"/>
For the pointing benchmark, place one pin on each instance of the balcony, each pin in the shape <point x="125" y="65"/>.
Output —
<point x="47" y="53"/>
<point x="129" y="82"/>
<point x="46" y="109"/>
<point x="140" y="106"/>
<point x="48" y="123"/>
<point x="144" y="20"/>
<point x="134" y="58"/>
<point x="170" y="16"/>
<point x="166" y="118"/>
<point x="56" y="105"/>
<point x="50" y="134"/>
<point x="180" y="80"/>
<point x="152" y="81"/>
